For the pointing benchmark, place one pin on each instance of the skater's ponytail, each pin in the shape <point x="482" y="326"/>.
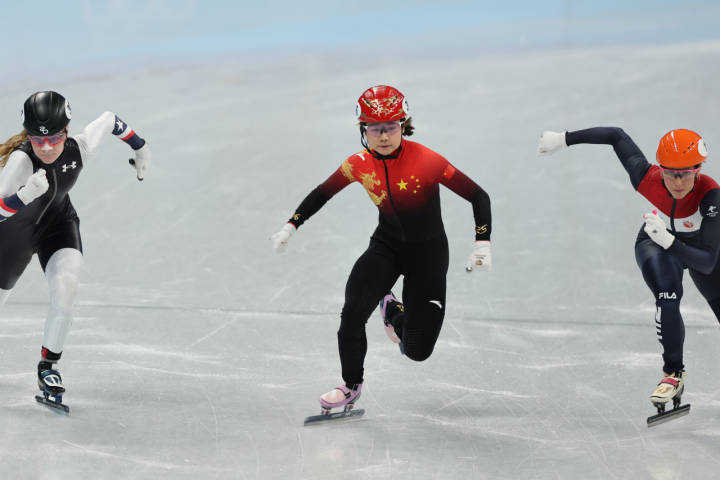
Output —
<point x="408" y="128"/>
<point x="11" y="144"/>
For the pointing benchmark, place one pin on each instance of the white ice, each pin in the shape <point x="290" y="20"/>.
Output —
<point x="196" y="352"/>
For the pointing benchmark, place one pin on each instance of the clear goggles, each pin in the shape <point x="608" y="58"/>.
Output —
<point x="377" y="129"/>
<point x="680" y="174"/>
<point x="53" y="139"/>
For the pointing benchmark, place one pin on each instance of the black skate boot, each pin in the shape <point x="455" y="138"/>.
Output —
<point x="50" y="382"/>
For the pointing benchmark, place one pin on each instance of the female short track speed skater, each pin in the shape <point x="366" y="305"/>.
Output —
<point x="39" y="167"/>
<point x="402" y="179"/>
<point x="686" y="203"/>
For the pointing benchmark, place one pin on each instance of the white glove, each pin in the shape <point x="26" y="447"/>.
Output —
<point x="480" y="258"/>
<point x="280" y="239"/>
<point x="550" y="142"/>
<point x="656" y="228"/>
<point x="141" y="161"/>
<point x="36" y="185"/>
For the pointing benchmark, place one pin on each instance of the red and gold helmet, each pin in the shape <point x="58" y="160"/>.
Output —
<point x="381" y="104"/>
<point x="681" y="149"/>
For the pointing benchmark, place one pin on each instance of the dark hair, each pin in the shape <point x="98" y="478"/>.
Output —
<point x="408" y="128"/>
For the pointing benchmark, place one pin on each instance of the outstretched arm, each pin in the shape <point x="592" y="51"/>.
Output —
<point x="480" y="257"/>
<point x="107" y="123"/>
<point x="462" y="185"/>
<point x="310" y="205"/>
<point x="629" y="154"/>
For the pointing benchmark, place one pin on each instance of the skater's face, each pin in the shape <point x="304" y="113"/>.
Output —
<point x="384" y="137"/>
<point x="48" y="148"/>
<point x="679" y="185"/>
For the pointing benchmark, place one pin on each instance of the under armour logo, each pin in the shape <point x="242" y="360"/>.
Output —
<point x="65" y="166"/>
<point x="43" y="130"/>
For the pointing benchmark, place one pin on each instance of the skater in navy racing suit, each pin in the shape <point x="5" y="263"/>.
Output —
<point x="681" y="231"/>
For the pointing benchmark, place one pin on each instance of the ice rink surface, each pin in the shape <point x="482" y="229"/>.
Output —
<point x="196" y="352"/>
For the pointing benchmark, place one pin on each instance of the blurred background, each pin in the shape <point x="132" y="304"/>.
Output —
<point x="196" y="351"/>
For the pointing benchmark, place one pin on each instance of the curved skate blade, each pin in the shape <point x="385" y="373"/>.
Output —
<point x="668" y="415"/>
<point x="333" y="416"/>
<point x="57" y="406"/>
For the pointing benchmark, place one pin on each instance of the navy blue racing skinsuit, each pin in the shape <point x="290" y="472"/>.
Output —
<point x="694" y="222"/>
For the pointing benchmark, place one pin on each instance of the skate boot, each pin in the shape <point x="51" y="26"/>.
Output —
<point x="341" y="396"/>
<point x="50" y="381"/>
<point x="51" y="387"/>
<point x="390" y="307"/>
<point x="671" y="387"/>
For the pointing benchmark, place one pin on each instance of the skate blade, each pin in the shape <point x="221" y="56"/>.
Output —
<point x="59" y="407"/>
<point x="333" y="416"/>
<point x="680" y="411"/>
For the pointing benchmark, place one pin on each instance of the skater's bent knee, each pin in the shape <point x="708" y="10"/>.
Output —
<point x="418" y="355"/>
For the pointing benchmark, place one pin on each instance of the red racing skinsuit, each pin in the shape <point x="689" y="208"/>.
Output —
<point x="409" y="240"/>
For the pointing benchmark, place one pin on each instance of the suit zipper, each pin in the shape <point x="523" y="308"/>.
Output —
<point x="672" y="216"/>
<point x="392" y="204"/>
<point x="51" y="198"/>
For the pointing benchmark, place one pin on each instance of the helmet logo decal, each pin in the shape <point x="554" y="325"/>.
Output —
<point x="702" y="148"/>
<point x="68" y="112"/>
<point x="43" y="130"/>
<point x="381" y="107"/>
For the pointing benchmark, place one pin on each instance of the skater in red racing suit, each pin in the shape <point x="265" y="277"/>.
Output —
<point x="402" y="178"/>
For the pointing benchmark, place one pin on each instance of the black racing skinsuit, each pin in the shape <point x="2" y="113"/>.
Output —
<point x="48" y="223"/>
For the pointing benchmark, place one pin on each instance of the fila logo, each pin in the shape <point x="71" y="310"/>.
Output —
<point x="668" y="296"/>
<point x="65" y="166"/>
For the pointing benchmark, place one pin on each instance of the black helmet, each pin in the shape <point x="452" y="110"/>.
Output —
<point x="45" y="113"/>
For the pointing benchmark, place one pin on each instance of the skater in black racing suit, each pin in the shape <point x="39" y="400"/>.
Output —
<point x="39" y="167"/>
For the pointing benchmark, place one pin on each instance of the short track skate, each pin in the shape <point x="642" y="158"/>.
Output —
<point x="53" y="402"/>
<point x="347" y="403"/>
<point x="326" y="414"/>
<point x="51" y="389"/>
<point x="663" y="415"/>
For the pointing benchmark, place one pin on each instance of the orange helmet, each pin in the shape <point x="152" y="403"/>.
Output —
<point x="681" y="149"/>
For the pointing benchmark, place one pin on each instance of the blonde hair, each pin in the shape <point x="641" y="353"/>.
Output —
<point x="11" y="144"/>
